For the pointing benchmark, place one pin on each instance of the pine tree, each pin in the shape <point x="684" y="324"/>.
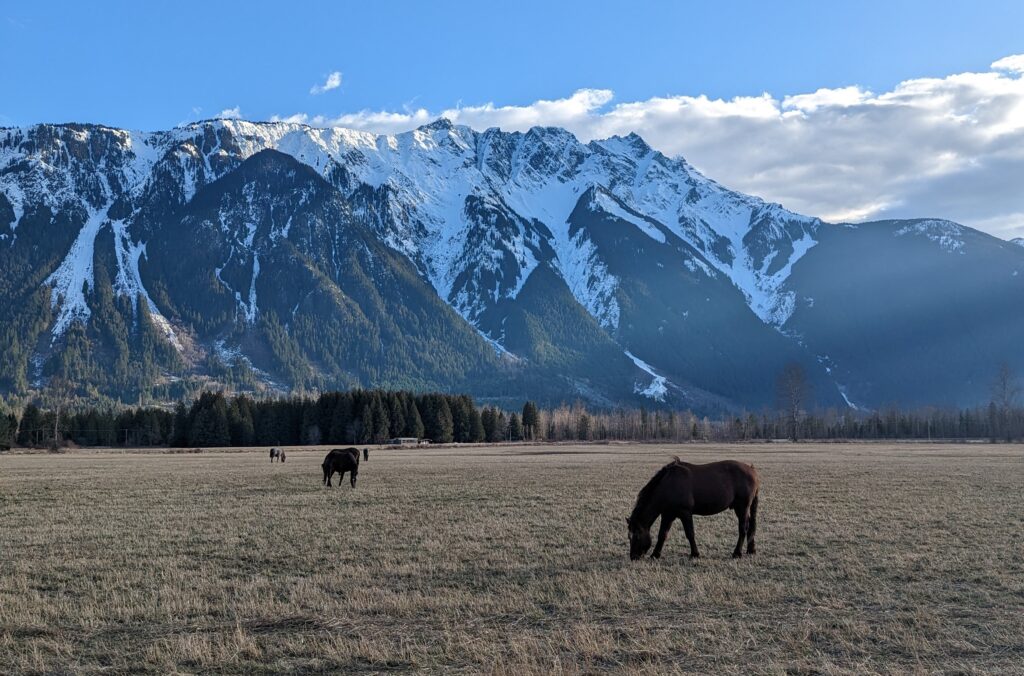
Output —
<point x="583" y="427"/>
<point x="396" y="415"/>
<point x="440" y="426"/>
<point x="311" y="433"/>
<point x="487" y="422"/>
<point x="364" y="426"/>
<point x="31" y="423"/>
<point x="413" y="421"/>
<point x="531" y="421"/>
<point x="381" y="426"/>
<point x="515" y="428"/>
<point x="210" y="421"/>
<point x="341" y="418"/>
<point x="498" y="433"/>
<point x="476" y="427"/>
<point x="461" y="431"/>
<point x="240" y="422"/>
<point x="8" y="423"/>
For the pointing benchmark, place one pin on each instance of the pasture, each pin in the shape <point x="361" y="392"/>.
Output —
<point x="872" y="558"/>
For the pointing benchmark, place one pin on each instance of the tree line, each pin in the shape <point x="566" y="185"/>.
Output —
<point x="215" y="419"/>
<point x="374" y="416"/>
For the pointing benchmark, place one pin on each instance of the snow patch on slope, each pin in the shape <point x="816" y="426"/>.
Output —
<point x="75" y="274"/>
<point x="129" y="281"/>
<point x="948" y="235"/>
<point x="588" y="278"/>
<point x="613" y="208"/>
<point x="658" y="387"/>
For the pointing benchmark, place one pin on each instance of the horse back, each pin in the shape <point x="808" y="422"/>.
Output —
<point x="717" y="486"/>
<point x="342" y="458"/>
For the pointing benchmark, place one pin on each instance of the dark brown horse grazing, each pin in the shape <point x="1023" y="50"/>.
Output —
<point x="679" y="490"/>
<point x="277" y="453"/>
<point x="341" y="460"/>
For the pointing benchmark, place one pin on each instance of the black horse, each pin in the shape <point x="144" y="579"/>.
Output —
<point x="341" y="460"/>
<point x="277" y="453"/>
<point x="366" y="454"/>
<point x="679" y="490"/>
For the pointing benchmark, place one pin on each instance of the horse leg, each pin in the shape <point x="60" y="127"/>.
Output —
<point x="666" y="524"/>
<point x="752" y="526"/>
<point x="687" y="518"/>
<point x="742" y="519"/>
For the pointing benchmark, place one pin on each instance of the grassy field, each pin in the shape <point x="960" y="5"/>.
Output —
<point x="871" y="558"/>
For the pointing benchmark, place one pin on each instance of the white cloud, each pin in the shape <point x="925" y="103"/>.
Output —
<point x="333" y="81"/>
<point x="1013" y="63"/>
<point x="231" y="113"/>
<point x="949" y="147"/>
<point x="297" y="118"/>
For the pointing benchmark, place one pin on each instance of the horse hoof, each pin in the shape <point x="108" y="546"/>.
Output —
<point x="737" y="555"/>
<point x="694" y="556"/>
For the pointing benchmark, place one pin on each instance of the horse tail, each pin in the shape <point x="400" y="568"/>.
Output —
<point x="752" y="524"/>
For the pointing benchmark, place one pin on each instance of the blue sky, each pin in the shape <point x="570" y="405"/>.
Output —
<point x="850" y="111"/>
<point x="148" y="65"/>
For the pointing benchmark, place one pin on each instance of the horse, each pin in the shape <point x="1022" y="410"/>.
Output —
<point x="277" y="453"/>
<point x="341" y="460"/>
<point x="366" y="454"/>
<point x="680" y="489"/>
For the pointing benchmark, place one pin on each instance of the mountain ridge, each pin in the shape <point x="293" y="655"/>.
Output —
<point x="691" y="281"/>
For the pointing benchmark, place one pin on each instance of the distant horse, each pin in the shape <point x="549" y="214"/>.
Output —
<point x="341" y="460"/>
<point x="366" y="454"/>
<point x="277" y="453"/>
<point x="679" y="490"/>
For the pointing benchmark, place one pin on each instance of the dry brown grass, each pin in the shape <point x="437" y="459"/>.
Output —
<point x="872" y="558"/>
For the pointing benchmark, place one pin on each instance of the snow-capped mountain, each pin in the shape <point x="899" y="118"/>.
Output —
<point x="509" y="264"/>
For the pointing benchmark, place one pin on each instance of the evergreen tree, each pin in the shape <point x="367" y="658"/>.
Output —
<point x="439" y="425"/>
<point x="396" y="415"/>
<point x="240" y="422"/>
<point x="210" y="421"/>
<point x="364" y="426"/>
<point x="476" y="427"/>
<point x="310" y="424"/>
<point x="583" y="427"/>
<point x="488" y="420"/>
<point x="413" y="421"/>
<point x="8" y="424"/>
<point x="381" y="426"/>
<point x="515" y="428"/>
<point x="531" y="421"/>
<point x="29" y="431"/>
<point x="500" y="427"/>
<point x="341" y="419"/>
<point x="461" y="431"/>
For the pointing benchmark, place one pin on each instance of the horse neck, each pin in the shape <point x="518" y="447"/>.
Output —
<point x="644" y="513"/>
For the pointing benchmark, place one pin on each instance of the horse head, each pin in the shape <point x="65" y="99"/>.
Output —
<point x="639" y="539"/>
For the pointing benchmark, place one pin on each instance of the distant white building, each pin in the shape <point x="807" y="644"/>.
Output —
<point x="405" y="441"/>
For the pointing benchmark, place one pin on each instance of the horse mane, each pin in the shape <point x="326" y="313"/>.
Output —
<point x="645" y="493"/>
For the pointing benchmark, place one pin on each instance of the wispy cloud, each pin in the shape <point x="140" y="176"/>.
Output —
<point x="949" y="147"/>
<point x="231" y="113"/>
<point x="333" y="81"/>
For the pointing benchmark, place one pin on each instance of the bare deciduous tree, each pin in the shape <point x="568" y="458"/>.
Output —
<point x="1005" y="390"/>
<point x="61" y="391"/>
<point x="792" y="391"/>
